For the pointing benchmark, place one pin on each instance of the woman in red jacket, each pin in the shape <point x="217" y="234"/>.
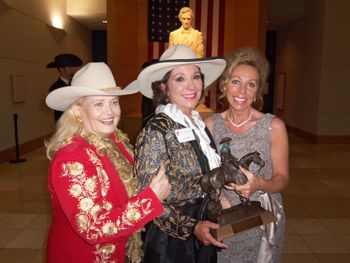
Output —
<point x="97" y="206"/>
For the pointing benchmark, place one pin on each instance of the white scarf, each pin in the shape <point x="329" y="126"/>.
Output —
<point x="178" y="116"/>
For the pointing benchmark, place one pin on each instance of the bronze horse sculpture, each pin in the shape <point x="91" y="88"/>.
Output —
<point x="213" y="181"/>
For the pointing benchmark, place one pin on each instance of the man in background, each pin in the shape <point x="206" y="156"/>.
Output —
<point x="186" y="34"/>
<point x="66" y="65"/>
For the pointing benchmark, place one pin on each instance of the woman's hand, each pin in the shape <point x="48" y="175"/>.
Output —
<point x="251" y="186"/>
<point x="201" y="231"/>
<point x="160" y="184"/>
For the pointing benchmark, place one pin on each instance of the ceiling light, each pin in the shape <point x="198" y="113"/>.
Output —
<point x="56" y="21"/>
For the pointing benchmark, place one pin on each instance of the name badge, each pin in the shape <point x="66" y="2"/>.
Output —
<point x="184" y="135"/>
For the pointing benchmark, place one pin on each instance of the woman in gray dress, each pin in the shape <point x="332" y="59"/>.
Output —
<point x="242" y="84"/>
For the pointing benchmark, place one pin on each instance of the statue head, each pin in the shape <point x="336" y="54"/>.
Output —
<point x="225" y="145"/>
<point x="185" y="16"/>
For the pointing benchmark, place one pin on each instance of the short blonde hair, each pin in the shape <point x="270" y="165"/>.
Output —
<point x="246" y="56"/>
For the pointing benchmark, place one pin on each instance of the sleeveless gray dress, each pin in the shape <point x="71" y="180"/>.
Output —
<point x="261" y="244"/>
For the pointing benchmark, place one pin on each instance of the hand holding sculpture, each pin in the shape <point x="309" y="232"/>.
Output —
<point x="251" y="186"/>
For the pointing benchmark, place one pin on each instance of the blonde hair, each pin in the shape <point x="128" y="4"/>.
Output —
<point x="67" y="126"/>
<point x="251" y="57"/>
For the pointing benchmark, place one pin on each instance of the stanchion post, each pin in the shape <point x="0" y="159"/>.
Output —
<point x="17" y="160"/>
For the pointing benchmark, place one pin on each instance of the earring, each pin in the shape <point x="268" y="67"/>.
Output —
<point x="223" y="90"/>
<point x="79" y="119"/>
<point x="254" y="100"/>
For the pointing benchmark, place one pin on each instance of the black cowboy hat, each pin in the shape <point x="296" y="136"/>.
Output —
<point x="65" y="60"/>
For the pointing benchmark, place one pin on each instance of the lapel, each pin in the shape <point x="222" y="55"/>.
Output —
<point x="117" y="188"/>
<point x="202" y="159"/>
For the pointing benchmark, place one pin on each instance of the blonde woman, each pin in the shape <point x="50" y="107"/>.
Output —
<point x="97" y="205"/>
<point x="242" y="84"/>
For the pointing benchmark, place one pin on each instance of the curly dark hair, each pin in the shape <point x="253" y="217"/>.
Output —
<point x="246" y="56"/>
<point x="160" y="95"/>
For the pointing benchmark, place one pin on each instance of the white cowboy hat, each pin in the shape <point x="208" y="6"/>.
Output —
<point x="94" y="79"/>
<point x="173" y="57"/>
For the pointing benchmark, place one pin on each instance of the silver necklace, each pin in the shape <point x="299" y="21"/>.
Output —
<point x="242" y="123"/>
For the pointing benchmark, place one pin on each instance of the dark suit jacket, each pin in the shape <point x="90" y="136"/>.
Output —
<point x="58" y="84"/>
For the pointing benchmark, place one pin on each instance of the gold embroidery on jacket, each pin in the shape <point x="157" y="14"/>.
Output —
<point x="104" y="253"/>
<point x="159" y="143"/>
<point x="108" y="147"/>
<point x="91" y="218"/>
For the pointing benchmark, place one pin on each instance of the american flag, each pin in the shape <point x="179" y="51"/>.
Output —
<point x="209" y="19"/>
<point x="162" y="19"/>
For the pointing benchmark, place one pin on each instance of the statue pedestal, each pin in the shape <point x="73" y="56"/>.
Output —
<point x="240" y="218"/>
<point x="204" y="111"/>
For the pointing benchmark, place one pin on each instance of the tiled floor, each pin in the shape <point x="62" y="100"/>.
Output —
<point x="317" y="204"/>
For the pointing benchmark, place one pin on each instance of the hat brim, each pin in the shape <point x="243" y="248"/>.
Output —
<point x="133" y="85"/>
<point x="55" y="64"/>
<point x="210" y="67"/>
<point x="51" y="65"/>
<point x="62" y="98"/>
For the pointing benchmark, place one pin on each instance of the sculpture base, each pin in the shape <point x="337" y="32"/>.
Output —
<point x="240" y="218"/>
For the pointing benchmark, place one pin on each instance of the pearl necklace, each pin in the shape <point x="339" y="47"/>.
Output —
<point x="242" y="123"/>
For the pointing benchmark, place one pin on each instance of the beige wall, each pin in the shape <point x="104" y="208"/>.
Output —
<point x="313" y="52"/>
<point x="26" y="47"/>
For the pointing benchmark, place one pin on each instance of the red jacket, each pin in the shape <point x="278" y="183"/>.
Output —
<point x="92" y="216"/>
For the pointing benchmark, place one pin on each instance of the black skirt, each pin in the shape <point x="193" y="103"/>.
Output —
<point x="159" y="247"/>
